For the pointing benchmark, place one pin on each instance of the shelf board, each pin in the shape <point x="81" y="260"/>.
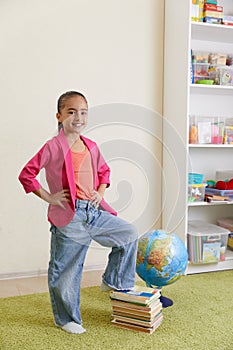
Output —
<point x="211" y="89"/>
<point x="200" y="268"/>
<point x="210" y="145"/>
<point x="212" y="32"/>
<point x="205" y="204"/>
<point x="227" y="264"/>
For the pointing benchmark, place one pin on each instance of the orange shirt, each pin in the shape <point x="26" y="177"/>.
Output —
<point x="83" y="174"/>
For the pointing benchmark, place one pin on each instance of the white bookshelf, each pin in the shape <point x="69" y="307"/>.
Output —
<point x="182" y="99"/>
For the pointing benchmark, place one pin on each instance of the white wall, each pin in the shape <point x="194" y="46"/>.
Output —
<point x="112" y="51"/>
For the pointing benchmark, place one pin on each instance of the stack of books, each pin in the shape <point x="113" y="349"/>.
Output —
<point x="212" y="12"/>
<point x="139" y="309"/>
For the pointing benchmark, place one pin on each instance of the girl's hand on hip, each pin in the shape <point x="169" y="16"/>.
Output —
<point x="60" y="197"/>
<point x="96" y="199"/>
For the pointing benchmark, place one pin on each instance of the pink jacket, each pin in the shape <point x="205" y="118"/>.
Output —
<point x="55" y="157"/>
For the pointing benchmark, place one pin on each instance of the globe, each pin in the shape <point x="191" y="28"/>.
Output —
<point x="161" y="258"/>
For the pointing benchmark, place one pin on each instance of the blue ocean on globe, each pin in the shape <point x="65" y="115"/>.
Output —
<point x="162" y="258"/>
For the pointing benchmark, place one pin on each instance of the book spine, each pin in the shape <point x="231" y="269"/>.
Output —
<point x="213" y="14"/>
<point x="211" y="7"/>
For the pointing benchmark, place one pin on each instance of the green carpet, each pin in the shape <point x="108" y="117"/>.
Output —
<point x="201" y="318"/>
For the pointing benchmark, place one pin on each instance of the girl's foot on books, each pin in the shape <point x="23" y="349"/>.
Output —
<point x="166" y="302"/>
<point x="105" y="288"/>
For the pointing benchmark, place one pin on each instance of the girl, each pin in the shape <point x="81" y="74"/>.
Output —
<point x="77" y="177"/>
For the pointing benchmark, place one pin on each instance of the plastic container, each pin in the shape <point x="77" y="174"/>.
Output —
<point x="204" y="129"/>
<point x="196" y="192"/>
<point x="207" y="130"/>
<point x="206" y="242"/>
<point x="205" y="81"/>
<point x="229" y="61"/>
<point x="230" y="241"/>
<point x="216" y="192"/>
<point x="228" y="135"/>
<point x="194" y="178"/>
<point x="199" y="56"/>
<point x="228" y="224"/>
<point x="225" y="75"/>
<point x="217" y="131"/>
<point x="193" y="132"/>
<point x="200" y="71"/>
<point x="217" y="58"/>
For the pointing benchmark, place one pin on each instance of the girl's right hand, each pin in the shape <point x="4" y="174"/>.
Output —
<point x="55" y="198"/>
<point x="60" y="197"/>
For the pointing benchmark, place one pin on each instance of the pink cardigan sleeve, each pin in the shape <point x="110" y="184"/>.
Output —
<point x="103" y="171"/>
<point x="28" y="174"/>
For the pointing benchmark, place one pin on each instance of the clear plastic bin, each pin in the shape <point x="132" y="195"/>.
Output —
<point x="196" y="192"/>
<point x="206" y="242"/>
<point x="204" y="130"/>
<point x="228" y="135"/>
<point x="217" y="131"/>
<point x="200" y="71"/>
<point x="199" y="56"/>
<point x="225" y="75"/>
<point x="217" y="58"/>
<point x="228" y="224"/>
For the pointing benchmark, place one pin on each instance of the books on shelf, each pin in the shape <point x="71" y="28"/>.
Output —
<point x="139" y="310"/>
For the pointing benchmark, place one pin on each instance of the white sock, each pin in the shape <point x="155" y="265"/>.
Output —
<point x="105" y="288"/>
<point x="74" y="328"/>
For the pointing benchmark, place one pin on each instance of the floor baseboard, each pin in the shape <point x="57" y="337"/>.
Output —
<point x="43" y="272"/>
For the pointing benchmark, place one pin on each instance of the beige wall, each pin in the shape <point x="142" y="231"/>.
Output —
<point x="112" y="51"/>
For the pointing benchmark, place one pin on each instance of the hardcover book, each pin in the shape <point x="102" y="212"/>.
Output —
<point x="140" y="295"/>
<point x="139" y="328"/>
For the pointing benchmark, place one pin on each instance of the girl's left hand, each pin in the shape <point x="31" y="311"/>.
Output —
<point x="96" y="199"/>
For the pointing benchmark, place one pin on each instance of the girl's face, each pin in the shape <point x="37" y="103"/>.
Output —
<point x="73" y="115"/>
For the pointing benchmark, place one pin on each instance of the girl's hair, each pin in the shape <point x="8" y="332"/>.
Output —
<point x="63" y="98"/>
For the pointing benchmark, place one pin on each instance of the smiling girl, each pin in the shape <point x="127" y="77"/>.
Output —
<point x="77" y="177"/>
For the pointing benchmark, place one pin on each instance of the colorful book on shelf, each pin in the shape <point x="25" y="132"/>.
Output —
<point x="212" y="20"/>
<point x="138" y="327"/>
<point x="213" y="14"/>
<point x="212" y="7"/>
<point x="139" y="295"/>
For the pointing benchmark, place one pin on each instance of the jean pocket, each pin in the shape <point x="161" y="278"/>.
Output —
<point x="52" y="228"/>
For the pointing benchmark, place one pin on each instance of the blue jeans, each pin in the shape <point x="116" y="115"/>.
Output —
<point x="69" y="246"/>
